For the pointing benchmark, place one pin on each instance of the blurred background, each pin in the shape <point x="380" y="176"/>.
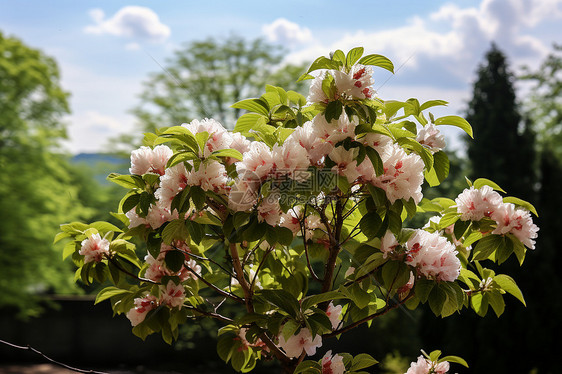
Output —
<point x="81" y="81"/>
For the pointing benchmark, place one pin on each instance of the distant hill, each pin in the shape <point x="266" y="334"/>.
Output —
<point x="102" y="164"/>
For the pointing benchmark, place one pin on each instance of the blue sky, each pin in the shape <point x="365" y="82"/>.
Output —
<point x="103" y="47"/>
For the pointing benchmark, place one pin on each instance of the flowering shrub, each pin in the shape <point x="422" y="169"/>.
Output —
<point x="298" y="217"/>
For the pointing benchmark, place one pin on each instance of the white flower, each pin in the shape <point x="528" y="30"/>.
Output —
<point x="143" y="305"/>
<point x="388" y="243"/>
<point x="134" y="219"/>
<point x="316" y="94"/>
<point x="403" y="174"/>
<point x="94" y="248"/>
<point x="292" y="160"/>
<point x="433" y="256"/>
<point x="334" y="314"/>
<point x="243" y="195"/>
<point x="159" y="214"/>
<point x="332" y="364"/>
<point x="516" y="221"/>
<point x="346" y="165"/>
<point x="171" y="183"/>
<point x="240" y="142"/>
<point x="336" y="130"/>
<point x="310" y="138"/>
<point x="303" y="341"/>
<point x="357" y="84"/>
<point x="425" y="366"/>
<point x="258" y="161"/>
<point x="147" y="160"/>
<point x="430" y="137"/>
<point x="211" y="176"/>
<point x="269" y="211"/>
<point x="376" y="141"/>
<point x="172" y="295"/>
<point x="219" y="137"/>
<point x="474" y="204"/>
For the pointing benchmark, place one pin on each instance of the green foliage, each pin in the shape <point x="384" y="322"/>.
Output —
<point x="38" y="189"/>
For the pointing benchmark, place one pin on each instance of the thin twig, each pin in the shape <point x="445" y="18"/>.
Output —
<point x="120" y="268"/>
<point x="222" y="292"/>
<point x="29" y="348"/>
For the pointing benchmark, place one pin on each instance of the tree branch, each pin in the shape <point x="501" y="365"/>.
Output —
<point x="29" y="348"/>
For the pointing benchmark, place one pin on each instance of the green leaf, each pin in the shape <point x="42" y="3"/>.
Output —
<point x="448" y="219"/>
<point x="455" y="121"/>
<point x="375" y="160"/>
<point x="282" y="299"/>
<point x="253" y="105"/>
<point x="506" y="283"/>
<point x="108" y="292"/>
<point x="174" y="260"/>
<point x="440" y="170"/>
<point x="228" y="153"/>
<point x="486" y="246"/>
<point x="423" y="288"/>
<point x="371" y="263"/>
<point x="308" y="367"/>
<point x="480" y="182"/>
<point x="309" y="301"/>
<point x="353" y="55"/>
<point x="322" y="63"/>
<point x="249" y="121"/>
<point x="175" y="230"/>
<point x="454" y="359"/>
<point x="339" y="57"/>
<point x="362" y="361"/>
<point x="495" y="299"/>
<point x="370" y="224"/>
<point x="432" y="103"/>
<point x="284" y="235"/>
<point x="521" y="203"/>
<point x="127" y="181"/>
<point x="377" y="60"/>
<point x="333" y="111"/>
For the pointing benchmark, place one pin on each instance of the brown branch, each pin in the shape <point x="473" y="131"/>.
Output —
<point x="222" y="292"/>
<point x="29" y="348"/>
<point x="304" y="240"/>
<point x="210" y="314"/>
<point x="240" y="277"/>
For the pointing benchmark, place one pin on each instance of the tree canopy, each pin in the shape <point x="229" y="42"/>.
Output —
<point x="205" y="77"/>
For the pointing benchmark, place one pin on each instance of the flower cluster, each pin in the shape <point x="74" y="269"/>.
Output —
<point x="94" y="248"/>
<point x="476" y="203"/>
<point x="425" y="366"/>
<point x="172" y="295"/>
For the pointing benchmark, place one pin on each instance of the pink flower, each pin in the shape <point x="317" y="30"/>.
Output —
<point x="146" y="160"/>
<point x="433" y="256"/>
<point x="425" y="366"/>
<point x="159" y="214"/>
<point x="332" y="364"/>
<point x="211" y="176"/>
<point x="516" y="221"/>
<point x="172" y="295"/>
<point x="94" y="248"/>
<point x="336" y="130"/>
<point x="219" y="137"/>
<point x="357" y="84"/>
<point x="291" y="160"/>
<point x="474" y="204"/>
<point x="316" y="93"/>
<point x="310" y="137"/>
<point x="134" y="219"/>
<point x="303" y="341"/>
<point x="142" y="306"/>
<point x="269" y="211"/>
<point x="430" y="137"/>
<point x="171" y="183"/>
<point x="403" y="174"/>
<point x="388" y="243"/>
<point x="258" y="161"/>
<point x="244" y="194"/>
<point x="334" y="314"/>
<point x="346" y="165"/>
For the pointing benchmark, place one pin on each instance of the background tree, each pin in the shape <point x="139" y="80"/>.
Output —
<point x="38" y="188"/>
<point x="204" y="78"/>
<point x="503" y="150"/>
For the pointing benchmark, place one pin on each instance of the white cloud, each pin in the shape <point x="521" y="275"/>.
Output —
<point x="90" y="131"/>
<point x="131" y="22"/>
<point x="286" y="32"/>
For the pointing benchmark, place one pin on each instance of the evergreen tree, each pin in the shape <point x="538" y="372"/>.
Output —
<point x="503" y="143"/>
<point x="503" y="150"/>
